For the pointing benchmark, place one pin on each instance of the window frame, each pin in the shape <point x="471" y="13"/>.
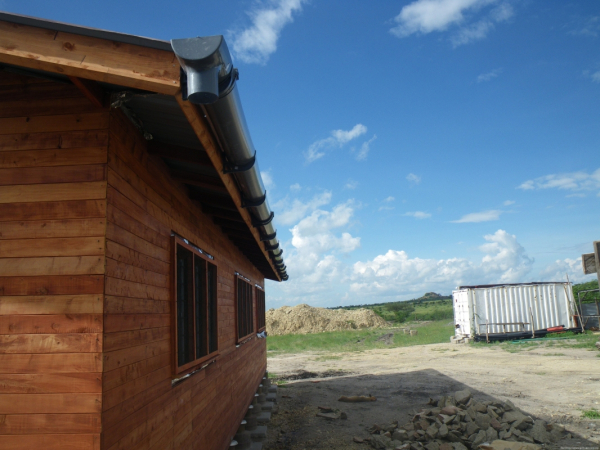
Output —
<point x="259" y="302"/>
<point x="191" y="365"/>
<point x="239" y="278"/>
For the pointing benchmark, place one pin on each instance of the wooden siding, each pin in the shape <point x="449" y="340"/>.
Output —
<point x="140" y="407"/>
<point x="53" y="158"/>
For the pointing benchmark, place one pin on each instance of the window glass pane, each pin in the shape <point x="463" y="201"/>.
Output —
<point x="201" y="307"/>
<point x="185" y="307"/>
<point x="250" y="309"/>
<point x="212" y="308"/>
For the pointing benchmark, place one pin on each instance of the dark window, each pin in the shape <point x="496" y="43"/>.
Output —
<point x="260" y="309"/>
<point x="196" y="306"/>
<point x="245" y="316"/>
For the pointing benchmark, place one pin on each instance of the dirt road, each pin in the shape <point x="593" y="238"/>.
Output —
<point x="554" y="384"/>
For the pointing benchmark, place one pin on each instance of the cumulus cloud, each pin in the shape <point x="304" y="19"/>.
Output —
<point x="389" y="199"/>
<point x="365" y="148"/>
<point x="561" y="268"/>
<point x="412" y="178"/>
<point x="394" y="274"/>
<point x="488" y="76"/>
<point x="292" y="212"/>
<point x="418" y="215"/>
<point x="508" y="202"/>
<point x="267" y="179"/>
<point x="351" y="184"/>
<point x="256" y="43"/>
<point x="484" y="216"/>
<point x="318" y="240"/>
<point x="338" y="138"/>
<point x="573" y="181"/>
<point x="474" y="18"/>
<point x="295" y="187"/>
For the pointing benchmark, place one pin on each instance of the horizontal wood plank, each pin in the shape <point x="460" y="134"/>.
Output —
<point x="132" y="338"/>
<point x="68" y="265"/>
<point x="119" y="358"/>
<point x="51" y="363"/>
<point x="50" y="324"/>
<point x="130" y="240"/>
<point x="51" y="304"/>
<point x="127" y="272"/>
<point x="126" y="255"/>
<point x="49" y="423"/>
<point x="53" y="192"/>
<point x="54" y="285"/>
<point x="45" y="124"/>
<point x="50" y="383"/>
<point x="60" y="174"/>
<point x="40" y="229"/>
<point x="89" y="57"/>
<point x="121" y="375"/>
<point x="50" y="442"/>
<point x="113" y="397"/>
<point x="127" y="305"/>
<point x="53" y="158"/>
<point x="78" y="246"/>
<point x="81" y="209"/>
<point x="35" y="106"/>
<point x="55" y="140"/>
<point x="124" y="288"/>
<point x="50" y="343"/>
<point x="126" y="322"/>
<point x="79" y="403"/>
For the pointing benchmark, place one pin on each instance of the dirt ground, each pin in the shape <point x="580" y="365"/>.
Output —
<point x="554" y="384"/>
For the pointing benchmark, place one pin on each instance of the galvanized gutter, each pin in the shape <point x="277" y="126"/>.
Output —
<point x="208" y="78"/>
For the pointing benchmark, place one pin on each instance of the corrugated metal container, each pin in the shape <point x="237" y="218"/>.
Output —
<point x="512" y="308"/>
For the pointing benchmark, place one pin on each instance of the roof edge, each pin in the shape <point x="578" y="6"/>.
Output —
<point x="86" y="31"/>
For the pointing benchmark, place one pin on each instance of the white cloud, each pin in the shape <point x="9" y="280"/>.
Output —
<point x="489" y="76"/>
<point x="573" y="181"/>
<point x="256" y="43"/>
<point x="418" y="215"/>
<point x="508" y="202"/>
<point x="312" y="262"/>
<point x="416" y="179"/>
<point x="596" y="77"/>
<point x="386" y="208"/>
<point x="394" y="274"/>
<point x="338" y="138"/>
<point x="484" y="216"/>
<point x="351" y="184"/>
<point x="296" y="210"/>
<point x="267" y="179"/>
<point x="474" y="17"/>
<point x="389" y="199"/>
<point x="364" y="149"/>
<point x="295" y="187"/>
<point x="561" y="268"/>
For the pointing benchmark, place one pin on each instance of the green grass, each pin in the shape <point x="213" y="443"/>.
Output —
<point x="588" y="297"/>
<point x="358" y="340"/>
<point x="585" y="340"/>
<point x="591" y="414"/>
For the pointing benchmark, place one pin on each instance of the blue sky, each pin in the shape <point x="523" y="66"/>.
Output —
<point x="407" y="146"/>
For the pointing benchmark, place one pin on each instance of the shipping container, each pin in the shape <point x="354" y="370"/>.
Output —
<point x="512" y="308"/>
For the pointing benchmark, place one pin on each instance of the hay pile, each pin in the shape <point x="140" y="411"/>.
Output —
<point x="304" y="319"/>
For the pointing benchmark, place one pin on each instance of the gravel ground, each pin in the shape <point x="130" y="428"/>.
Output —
<point x="554" y="384"/>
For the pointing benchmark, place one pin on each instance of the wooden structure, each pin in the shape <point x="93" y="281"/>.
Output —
<point x="90" y="211"/>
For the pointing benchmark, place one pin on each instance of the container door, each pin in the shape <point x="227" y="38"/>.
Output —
<point x="460" y="300"/>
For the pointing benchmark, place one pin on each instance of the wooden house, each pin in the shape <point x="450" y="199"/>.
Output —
<point x="133" y="244"/>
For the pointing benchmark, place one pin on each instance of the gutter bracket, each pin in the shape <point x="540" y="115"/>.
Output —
<point x="268" y="237"/>
<point x="261" y="223"/>
<point x="231" y="168"/>
<point x="253" y="203"/>
<point x="270" y="248"/>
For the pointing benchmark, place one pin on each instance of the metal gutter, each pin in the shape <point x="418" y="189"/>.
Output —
<point x="208" y="78"/>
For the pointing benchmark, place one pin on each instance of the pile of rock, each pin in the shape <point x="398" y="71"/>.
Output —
<point x="459" y="422"/>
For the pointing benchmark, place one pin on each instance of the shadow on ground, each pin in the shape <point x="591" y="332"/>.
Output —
<point x="399" y="397"/>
